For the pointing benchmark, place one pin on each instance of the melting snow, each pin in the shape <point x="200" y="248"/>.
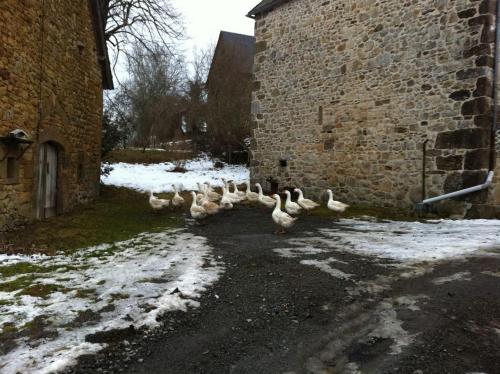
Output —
<point x="415" y="241"/>
<point x="463" y="276"/>
<point x="400" y="240"/>
<point x="160" y="177"/>
<point x="325" y="266"/>
<point x="408" y="242"/>
<point x="125" y="283"/>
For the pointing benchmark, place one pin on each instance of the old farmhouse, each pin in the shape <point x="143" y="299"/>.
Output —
<point x="53" y="69"/>
<point x="387" y="102"/>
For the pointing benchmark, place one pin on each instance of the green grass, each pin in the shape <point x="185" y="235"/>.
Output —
<point x="360" y="211"/>
<point x="136" y="156"/>
<point x="118" y="214"/>
<point x="28" y="268"/>
<point x="17" y="284"/>
<point x="42" y="290"/>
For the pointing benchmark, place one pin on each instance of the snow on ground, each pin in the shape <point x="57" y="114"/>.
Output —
<point x="98" y="289"/>
<point x="160" y="177"/>
<point x="415" y="241"/>
<point x="406" y="242"/>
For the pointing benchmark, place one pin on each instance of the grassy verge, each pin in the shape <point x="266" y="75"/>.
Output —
<point x="136" y="156"/>
<point x="118" y="214"/>
<point x="360" y="211"/>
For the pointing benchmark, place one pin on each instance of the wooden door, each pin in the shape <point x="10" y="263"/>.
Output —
<point x="47" y="187"/>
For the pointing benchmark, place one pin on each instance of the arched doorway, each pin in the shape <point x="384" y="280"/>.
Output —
<point x="48" y="168"/>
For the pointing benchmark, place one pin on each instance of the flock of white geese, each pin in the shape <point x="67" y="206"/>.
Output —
<point x="207" y="202"/>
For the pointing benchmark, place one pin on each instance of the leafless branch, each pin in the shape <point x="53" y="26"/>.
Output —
<point x="150" y="23"/>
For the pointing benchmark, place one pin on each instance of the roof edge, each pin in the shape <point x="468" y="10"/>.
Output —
<point x="102" y="49"/>
<point x="264" y="7"/>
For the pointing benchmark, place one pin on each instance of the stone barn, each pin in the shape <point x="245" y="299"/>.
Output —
<point x="387" y="102"/>
<point x="229" y="87"/>
<point x="53" y="69"/>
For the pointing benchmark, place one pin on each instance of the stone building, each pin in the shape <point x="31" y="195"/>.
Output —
<point x="53" y="69"/>
<point x="346" y="93"/>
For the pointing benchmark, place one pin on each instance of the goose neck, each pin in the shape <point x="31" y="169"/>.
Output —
<point x="278" y="204"/>
<point x="260" y="190"/>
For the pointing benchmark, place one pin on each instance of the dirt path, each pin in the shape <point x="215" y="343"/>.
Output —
<point x="272" y="314"/>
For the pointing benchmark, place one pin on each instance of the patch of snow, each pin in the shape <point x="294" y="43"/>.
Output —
<point x="132" y="279"/>
<point x="418" y="241"/>
<point x="159" y="177"/>
<point x="491" y="273"/>
<point x="463" y="276"/>
<point x="415" y="246"/>
<point x="413" y="241"/>
<point x="148" y="149"/>
<point x="325" y="266"/>
<point x="390" y="327"/>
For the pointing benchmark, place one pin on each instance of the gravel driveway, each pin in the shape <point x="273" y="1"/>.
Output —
<point x="298" y="304"/>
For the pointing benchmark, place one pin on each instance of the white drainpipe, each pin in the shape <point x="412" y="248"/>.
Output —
<point x="485" y="185"/>
<point x="496" y="133"/>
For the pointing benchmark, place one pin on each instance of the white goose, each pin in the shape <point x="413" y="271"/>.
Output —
<point x="230" y="195"/>
<point x="200" y="196"/>
<point x="290" y="206"/>
<point x="210" y="207"/>
<point x="197" y="212"/>
<point x="265" y="200"/>
<point x="156" y="203"/>
<point x="225" y="202"/>
<point x="242" y="195"/>
<point x="282" y="219"/>
<point x="177" y="200"/>
<point x="305" y="203"/>
<point x="251" y="196"/>
<point x="212" y="195"/>
<point x="334" y="205"/>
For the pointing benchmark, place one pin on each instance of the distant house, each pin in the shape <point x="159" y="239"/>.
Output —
<point x="348" y="94"/>
<point x="53" y="69"/>
<point x="229" y="88"/>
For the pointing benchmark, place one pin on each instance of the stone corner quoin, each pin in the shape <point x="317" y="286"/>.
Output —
<point x="348" y="93"/>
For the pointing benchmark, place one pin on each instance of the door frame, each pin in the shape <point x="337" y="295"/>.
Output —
<point x="42" y="181"/>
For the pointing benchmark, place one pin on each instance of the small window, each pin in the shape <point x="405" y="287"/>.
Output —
<point x="320" y="116"/>
<point x="11" y="169"/>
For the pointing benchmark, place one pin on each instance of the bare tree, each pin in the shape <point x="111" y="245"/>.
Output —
<point x="153" y="93"/>
<point x="196" y="97"/>
<point x="149" y="23"/>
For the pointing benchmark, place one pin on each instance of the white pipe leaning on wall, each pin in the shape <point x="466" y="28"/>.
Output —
<point x="495" y="146"/>
<point x="484" y="186"/>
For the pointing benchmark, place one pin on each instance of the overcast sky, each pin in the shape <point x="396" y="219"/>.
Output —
<point x="204" y="19"/>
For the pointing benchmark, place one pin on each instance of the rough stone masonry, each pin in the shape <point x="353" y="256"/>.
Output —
<point x="346" y="92"/>
<point x="51" y="81"/>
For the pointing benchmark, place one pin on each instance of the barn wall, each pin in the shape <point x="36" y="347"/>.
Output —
<point x="348" y="91"/>
<point x="50" y="86"/>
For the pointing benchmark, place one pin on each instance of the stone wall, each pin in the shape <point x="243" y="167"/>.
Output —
<point x="51" y="87"/>
<point x="348" y="91"/>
